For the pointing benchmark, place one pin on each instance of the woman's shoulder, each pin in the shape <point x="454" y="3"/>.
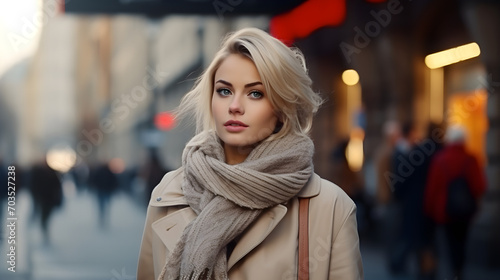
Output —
<point x="330" y="194"/>
<point x="169" y="191"/>
<point x="330" y="211"/>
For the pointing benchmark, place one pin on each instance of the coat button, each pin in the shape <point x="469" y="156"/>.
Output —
<point x="158" y="198"/>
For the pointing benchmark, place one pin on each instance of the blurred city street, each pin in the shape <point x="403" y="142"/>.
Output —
<point x="89" y="96"/>
<point x="79" y="248"/>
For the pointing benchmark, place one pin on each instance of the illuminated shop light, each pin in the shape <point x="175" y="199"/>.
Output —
<point x="354" y="152"/>
<point x="453" y="55"/>
<point x="350" y="77"/>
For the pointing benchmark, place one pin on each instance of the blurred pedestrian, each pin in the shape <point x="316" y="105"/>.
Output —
<point x="104" y="182"/>
<point x="408" y="187"/>
<point x="81" y="172"/>
<point x="383" y="161"/>
<point x="232" y="210"/>
<point x="454" y="166"/>
<point x="46" y="190"/>
<point x="385" y="210"/>
<point x="426" y="250"/>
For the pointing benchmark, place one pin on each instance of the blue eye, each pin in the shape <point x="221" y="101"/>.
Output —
<point x="256" y="94"/>
<point x="223" y="91"/>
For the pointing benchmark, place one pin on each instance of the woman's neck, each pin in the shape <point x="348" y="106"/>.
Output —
<point x="235" y="155"/>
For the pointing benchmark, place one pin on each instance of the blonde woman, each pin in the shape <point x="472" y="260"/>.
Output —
<point x="231" y="211"/>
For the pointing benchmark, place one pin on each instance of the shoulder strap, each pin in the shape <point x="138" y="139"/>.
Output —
<point x="303" y="273"/>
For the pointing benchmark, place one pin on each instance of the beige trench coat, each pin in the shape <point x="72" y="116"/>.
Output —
<point x="268" y="248"/>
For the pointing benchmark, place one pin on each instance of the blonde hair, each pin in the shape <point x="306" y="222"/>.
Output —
<point x="282" y="71"/>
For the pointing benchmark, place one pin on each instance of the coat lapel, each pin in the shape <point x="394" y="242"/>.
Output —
<point x="256" y="233"/>
<point x="170" y="228"/>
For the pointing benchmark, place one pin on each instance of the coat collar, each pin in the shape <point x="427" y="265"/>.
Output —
<point x="312" y="187"/>
<point x="169" y="190"/>
<point x="171" y="227"/>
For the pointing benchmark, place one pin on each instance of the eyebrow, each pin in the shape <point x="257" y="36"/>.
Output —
<point x="246" y="86"/>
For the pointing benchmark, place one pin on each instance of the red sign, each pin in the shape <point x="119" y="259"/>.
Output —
<point x="165" y="121"/>
<point x="307" y="17"/>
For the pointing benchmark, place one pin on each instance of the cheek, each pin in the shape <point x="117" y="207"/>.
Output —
<point x="215" y="108"/>
<point x="269" y="118"/>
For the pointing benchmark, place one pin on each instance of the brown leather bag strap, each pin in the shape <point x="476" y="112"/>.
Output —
<point x="303" y="273"/>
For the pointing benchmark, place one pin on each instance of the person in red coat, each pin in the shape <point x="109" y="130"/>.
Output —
<point x="452" y="162"/>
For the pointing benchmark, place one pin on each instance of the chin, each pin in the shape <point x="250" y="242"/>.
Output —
<point x="243" y="140"/>
<point x="238" y="141"/>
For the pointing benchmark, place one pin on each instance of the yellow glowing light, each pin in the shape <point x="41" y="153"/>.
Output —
<point x="436" y="111"/>
<point x="350" y="77"/>
<point x="453" y="55"/>
<point x="61" y="160"/>
<point x="354" y="152"/>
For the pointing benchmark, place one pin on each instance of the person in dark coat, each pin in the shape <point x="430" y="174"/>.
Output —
<point x="412" y="230"/>
<point x="405" y="204"/>
<point x="425" y="246"/>
<point x="450" y="163"/>
<point x="104" y="183"/>
<point x="46" y="189"/>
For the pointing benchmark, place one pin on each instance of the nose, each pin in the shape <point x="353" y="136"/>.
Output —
<point x="236" y="106"/>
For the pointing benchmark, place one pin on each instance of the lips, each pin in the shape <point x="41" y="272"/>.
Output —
<point x="235" y="123"/>
<point x="235" y="126"/>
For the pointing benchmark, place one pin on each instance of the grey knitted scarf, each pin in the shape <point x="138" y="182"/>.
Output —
<point x="228" y="198"/>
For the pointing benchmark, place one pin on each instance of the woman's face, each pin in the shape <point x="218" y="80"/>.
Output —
<point x="241" y="109"/>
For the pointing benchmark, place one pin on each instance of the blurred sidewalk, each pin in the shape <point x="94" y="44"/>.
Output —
<point x="79" y="249"/>
<point x="376" y="267"/>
